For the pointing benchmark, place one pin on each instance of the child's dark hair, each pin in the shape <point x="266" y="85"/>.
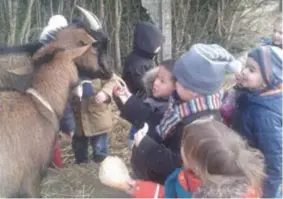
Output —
<point x="168" y="64"/>
<point x="221" y="154"/>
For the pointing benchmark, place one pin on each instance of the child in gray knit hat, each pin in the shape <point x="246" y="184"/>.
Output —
<point x="202" y="69"/>
<point x="199" y="74"/>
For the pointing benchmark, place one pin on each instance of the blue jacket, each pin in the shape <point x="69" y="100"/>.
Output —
<point x="259" y="119"/>
<point x="173" y="187"/>
<point x="67" y="123"/>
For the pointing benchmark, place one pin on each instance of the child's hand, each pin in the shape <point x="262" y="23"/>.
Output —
<point x="131" y="187"/>
<point x="100" y="97"/>
<point x="122" y="93"/>
<point x="140" y="134"/>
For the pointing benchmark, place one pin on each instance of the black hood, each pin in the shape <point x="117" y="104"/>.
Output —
<point x="147" y="38"/>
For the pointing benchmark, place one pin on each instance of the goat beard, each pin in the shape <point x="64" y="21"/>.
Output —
<point x="99" y="74"/>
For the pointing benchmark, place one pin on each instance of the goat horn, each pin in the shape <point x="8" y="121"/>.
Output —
<point x="91" y="18"/>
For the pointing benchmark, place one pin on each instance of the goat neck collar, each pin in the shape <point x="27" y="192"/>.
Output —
<point x="49" y="114"/>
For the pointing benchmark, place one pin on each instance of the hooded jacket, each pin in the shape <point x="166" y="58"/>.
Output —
<point x="258" y="118"/>
<point x="91" y="118"/>
<point x="147" y="38"/>
<point x="148" y="109"/>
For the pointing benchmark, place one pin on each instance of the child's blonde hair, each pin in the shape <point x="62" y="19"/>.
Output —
<point x="221" y="154"/>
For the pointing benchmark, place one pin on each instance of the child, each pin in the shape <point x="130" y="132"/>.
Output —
<point x="146" y="44"/>
<point x="199" y="74"/>
<point x="159" y="84"/>
<point x="67" y="126"/>
<point x="228" y="106"/>
<point x="276" y="38"/>
<point x="93" y="117"/>
<point x="214" y="158"/>
<point x="258" y="116"/>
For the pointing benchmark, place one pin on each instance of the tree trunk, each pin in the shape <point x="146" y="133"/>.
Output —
<point x="160" y="13"/>
<point x="60" y="7"/>
<point x="72" y="10"/>
<point x="51" y="7"/>
<point x="118" y="12"/>
<point x="26" y="22"/>
<point x="13" y="7"/>
<point x="101" y="11"/>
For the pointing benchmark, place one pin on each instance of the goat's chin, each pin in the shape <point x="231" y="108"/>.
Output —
<point x="106" y="76"/>
<point x="94" y="74"/>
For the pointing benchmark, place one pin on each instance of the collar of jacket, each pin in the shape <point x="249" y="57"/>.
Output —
<point x="143" y="53"/>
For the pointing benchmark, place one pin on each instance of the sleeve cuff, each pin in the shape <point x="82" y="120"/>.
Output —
<point x="146" y="145"/>
<point x="133" y="111"/>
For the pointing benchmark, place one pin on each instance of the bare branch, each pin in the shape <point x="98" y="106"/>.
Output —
<point x="27" y="21"/>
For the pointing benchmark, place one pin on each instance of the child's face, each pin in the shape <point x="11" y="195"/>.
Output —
<point x="184" y="93"/>
<point x="163" y="84"/>
<point x="251" y="76"/>
<point x="277" y="33"/>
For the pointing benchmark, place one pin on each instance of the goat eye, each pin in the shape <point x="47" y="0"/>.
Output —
<point x="95" y="44"/>
<point x="82" y="43"/>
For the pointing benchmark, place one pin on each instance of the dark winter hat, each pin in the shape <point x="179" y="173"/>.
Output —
<point x="148" y="37"/>
<point x="269" y="59"/>
<point x="202" y="69"/>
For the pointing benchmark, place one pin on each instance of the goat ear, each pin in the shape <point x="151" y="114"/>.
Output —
<point x="77" y="52"/>
<point x="46" y="52"/>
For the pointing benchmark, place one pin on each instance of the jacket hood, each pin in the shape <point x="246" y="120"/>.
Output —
<point x="233" y="188"/>
<point x="148" y="80"/>
<point x="272" y="102"/>
<point x="147" y="37"/>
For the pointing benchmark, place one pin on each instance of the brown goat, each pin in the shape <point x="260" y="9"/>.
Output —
<point x="29" y="122"/>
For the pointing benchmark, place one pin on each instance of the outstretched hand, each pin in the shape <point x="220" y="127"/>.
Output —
<point x="122" y="92"/>
<point x="131" y="186"/>
<point x="101" y="97"/>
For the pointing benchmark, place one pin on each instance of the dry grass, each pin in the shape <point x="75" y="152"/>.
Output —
<point x="77" y="181"/>
<point x="81" y="181"/>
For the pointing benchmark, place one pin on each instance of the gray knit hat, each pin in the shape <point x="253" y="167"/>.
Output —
<point x="202" y="69"/>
